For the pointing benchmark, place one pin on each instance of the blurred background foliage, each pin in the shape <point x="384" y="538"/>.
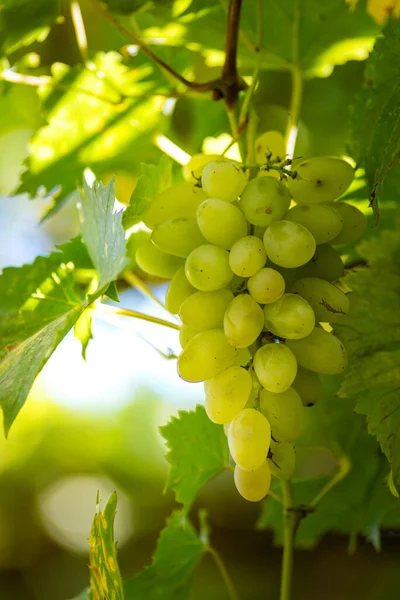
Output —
<point x="93" y="425"/>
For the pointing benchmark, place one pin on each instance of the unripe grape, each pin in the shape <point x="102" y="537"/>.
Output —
<point x="328" y="302"/>
<point x="275" y="366"/>
<point x="227" y="394"/>
<point x="253" y="485"/>
<point x="154" y="261"/>
<point x="223" y="179"/>
<point x="247" y="256"/>
<point x="178" y="201"/>
<point x="178" y="290"/>
<point x="354" y="224"/>
<point x="220" y="222"/>
<point x="205" y="355"/>
<point x="320" y="351"/>
<point x="193" y="169"/>
<point x="249" y="439"/>
<point x="264" y="200"/>
<point x="270" y="142"/>
<point x="266" y="286"/>
<point x="325" y="264"/>
<point x="178" y="236"/>
<point x="321" y="220"/>
<point x="205" y="310"/>
<point x="285" y="413"/>
<point x="290" y="317"/>
<point x="320" y="179"/>
<point x="308" y="385"/>
<point x="186" y="334"/>
<point x="243" y="321"/>
<point x="289" y="244"/>
<point x="207" y="268"/>
<point x="283" y="460"/>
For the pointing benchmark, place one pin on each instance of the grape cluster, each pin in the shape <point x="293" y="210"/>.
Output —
<point x="251" y="264"/>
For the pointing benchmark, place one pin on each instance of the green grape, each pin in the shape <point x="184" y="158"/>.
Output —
<point x="322" y="221"/>
<point x="207" y="268"/>
<point x="227" y="394"/>
<point x="178" y="236"/>
<point x="325" y="264"/>
<point x="328" y="302"/>
<point x="205" y="310"/>
<point x="354" y="224"/>
<point x="289" y="244"/>
<point x="177" y="201"/>
<point x="178" y="290"/>
<point x="253" y="486"/>
<point x="320" y="179"/>
<point x="205" y="355"/>
<point x="223" y="179"/>
<point x="283" y="460"/>
<point x="243" y="321"/>
<point x="186" y="334"/>
<point x="308" y="385"/>
<point x="247" y="256"/>
<point x="193" y="169"/>
<point x="320" y="351"/>
<point x="220" y="222"/>
<point x="249" y="438"/>
<point x="243" y="357"/>
<point x="154" y="261"/>
<point x="275" y="366"/>
<point x="264" y="200"/>
<point x="266" y="286"/>
<point x="285" y="413"/>
<point x="270" y="143"/>
<point x="290" y="317"/>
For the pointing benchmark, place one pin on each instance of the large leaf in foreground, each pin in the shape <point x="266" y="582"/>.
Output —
<point x="23" y="22"/>
<point x="376" y="114"/>
<point x="169" y="577"/>
<point x="371" y="333"/>
<point x="198" y="451"/>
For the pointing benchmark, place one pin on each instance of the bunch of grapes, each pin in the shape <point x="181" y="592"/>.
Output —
<point x="251" y="264"/>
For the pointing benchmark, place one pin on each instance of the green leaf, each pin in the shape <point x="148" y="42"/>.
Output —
<point x="83" y="329"/>
<point x="102" y="232"/>
<point x="105" y="578"/>
<point x="85" y="595"/>
<point x="170" y="576"/>
<point x="376" y="114"/>
<point x="153" y="180"/>
<point x="198" y="451"/>
<point x="20" y="367"/>
<point x="361" y="501"/>
<point x="371" y="333"/>
<point x="23" y="22"/>
<point x="126" y="7"/>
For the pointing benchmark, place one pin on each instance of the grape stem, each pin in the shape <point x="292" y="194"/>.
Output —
<point x="79" y="28"/>
<point x="291" y="519"/>
<point x="233" y="595"/>
<point x="297" y="85"/>
<point x="126" y="312"/>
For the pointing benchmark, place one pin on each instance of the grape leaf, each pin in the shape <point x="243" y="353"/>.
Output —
<point x="376" y="115"/>
<point x="23" y="22"/>
<point x="83" y="329"/>
<point x="153" y="180"/>
<point x="85" y="595"/>
<point x="102" y="232"/>
<point x="103" y="110"/>
<point x="169" y="577"/>
<point x="126" y="7"/>
<point x="105" y="578"/>
<point x="198" y="451"/>
<point x="361" y="501"/>
<point x="371" y="333"/>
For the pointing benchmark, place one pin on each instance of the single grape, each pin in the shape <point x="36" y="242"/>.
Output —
<point x="285" y="413"/>
<point x="243" y="357"/>
<point x="207" y="268"/>
<point x="221" y="223"/>
<point x="354" y="224"/>
<point x="275" y="366"/>
<point x="205" y="355"/>
<point x="264" y="200"/>
<point x="308" y="385"/>
<point x="320" y="179"/>
<point x="227" y="394"/>
<point x="178" y="236"/>
<point x="322" y="221"/>
<point x="205" y="310"/>
<point x="253" y="485"/>
<point x="290" y="317"/>
<point x="320" y="351"/>
<point x="154" y="261"/>
<point x="177" y="201"/>
<point x="193" y="169"/>
<point x="243" y="321"/>
<point x="328" y="302"/>
<point x="223" y="179"/>
<point x="272" y="144"/>
<point x="283" y="460"/>
<point x="266" y="286"/>
<point x="325" y="264"/>
<point x="249" y="438"/>
<point x="247" y="256"/>
<point x="289" y="244"/>
<point x="186" y="334"/>
<point x="178" y="290"/>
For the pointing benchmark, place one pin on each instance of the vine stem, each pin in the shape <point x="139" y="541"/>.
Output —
<point x="80" y="31"/>
<point x="297" y="85"/>
<point x="233" y="595"/>
<point x="290" y="523"/>
<point x="126" y="312"/>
